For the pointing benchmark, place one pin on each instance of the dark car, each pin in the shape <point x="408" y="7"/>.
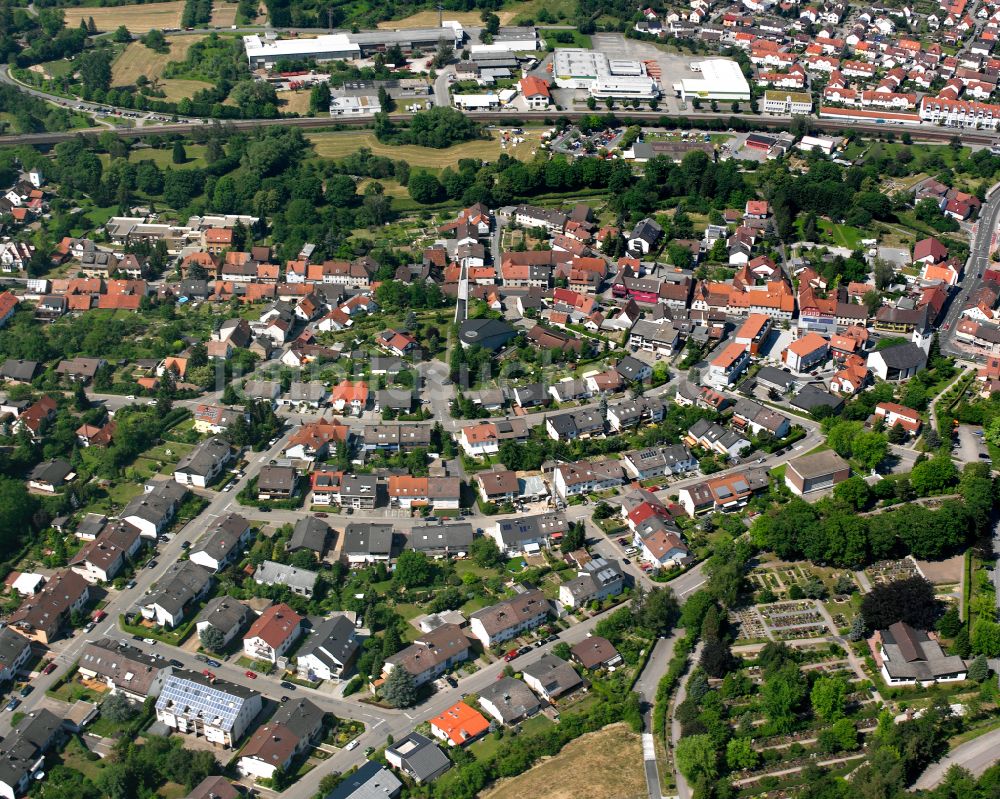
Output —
<point x="130" y="584"/>
<point x="213" y="663"/>
<point x="264" y="510"/>
<point x="26" y="690"/>
<point x="285" y="698"/>
<point x="201" y="658"/>
<point x="186" y="545"/>
<point x="13" y="703"/>
<point x="524" y="650"/>
<point x="176" y="664"/>
<point x="152" y="564"/>
<point x="287" y="686"/>
<point x="50" y="668"/>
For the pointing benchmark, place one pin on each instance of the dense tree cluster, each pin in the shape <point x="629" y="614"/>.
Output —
<point x="831" y="532"/>
<point x="439" y="127"/>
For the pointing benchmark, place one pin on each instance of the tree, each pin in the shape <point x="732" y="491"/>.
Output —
<point x="934" y="475"/>
<point x="827" y="698"/>
<point x="740" y="754"/>
<point x="121" y="35"/>
<point x="884" y="274"/>
<point x="94" y="67"/>
<point x="319" y="98"/>
<point x="574" y="538"/>
<point x="716" y="659"/>
<point x="425" y="188"/>
<point x="155" y="40"/>
<point x="398" y="689"/>
<point x="212" y="639"/>
<point x="911" y="600"/>
<point x="179" y="155"/>
<point x="413" y="569"/>
<point x="696" y="757"/>
<point x="854" y="491"/>
<point x="859" y="630"/>
<point x="485" y="553"/>
<point x="782" y="693"/>
<point x="979" y="670"/>
<point x="444" y="55"/>
<point x="118" y="708"/>
<point x="658" y="611"/>
<point x="841" y="736"/>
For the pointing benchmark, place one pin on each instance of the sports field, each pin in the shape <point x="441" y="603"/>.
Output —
<point x="138" y="18"/>
<point x="137" y="59"/>
<point x="338" y="144"/>
<point x="606" y="764"/>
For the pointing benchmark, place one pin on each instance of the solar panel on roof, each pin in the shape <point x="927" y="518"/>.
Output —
<point x="741" y="485"/>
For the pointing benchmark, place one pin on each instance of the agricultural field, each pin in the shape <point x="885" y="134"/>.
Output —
<point x="223" y="15"/>
<point x="339" y="144"/>
<point x="137" y="18"/>
<point x="137" y="59"/>
<point x="606" y="764"/>
<point x="429" y="19"/>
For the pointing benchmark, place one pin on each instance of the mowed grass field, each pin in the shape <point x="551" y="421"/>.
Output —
<point x="137" y="59"/>
<point x="606" y="764"/>
<point x="339" y="144"/>
<point x="138" y="18"/>
<point x="429" y="19"/>
<point x="295" y="102"/>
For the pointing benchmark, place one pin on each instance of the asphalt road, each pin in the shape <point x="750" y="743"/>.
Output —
<point x="683" y="789"/>
<point x="977" y="755"/>
<point x="975" y="266"/>
<point x="645" y="686"/>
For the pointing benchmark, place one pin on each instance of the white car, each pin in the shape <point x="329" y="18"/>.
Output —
<point x="352" y="745"/>
<point x="150" y="641"/>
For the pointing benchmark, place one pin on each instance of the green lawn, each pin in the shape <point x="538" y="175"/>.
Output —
<point x="77" y="757"/>
<point x="842" y="235"/>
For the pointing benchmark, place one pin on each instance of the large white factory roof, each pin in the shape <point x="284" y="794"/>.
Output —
<point x="718" y="76"/>
<point x="282" y="48"/>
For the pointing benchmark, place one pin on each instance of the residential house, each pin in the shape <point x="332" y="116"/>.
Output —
<point x="595" y="652"/>
<point x="459" y="725"/>
<point x="312" y="441"/>
<point x="299" y="581"/>
<point x="225" y="614"/>
<point x="596" y="580"/>
<point x="551" y="677"/>
<point x="273" y="633"/>
<point x="806" y="352"/>
<point x="223" y="543"/>
<point x="48" y="476"/>
<point x="203" y="705"/>
<point x="726" y="493"/>
<point x="203" y="465"/>
<point x="153" y="510"/>
<point x="276" y="483"/>
<point x="727" y="367"/>
<point x="295" y="727"/>
<point x="123" y="668"/>
<point x="584" y="477"/>
<point x="310" y="534"/>
<point x="329" y="651"/>
<point x="485" y="438"/>
<point x="183" y="584"/>
<point x="497" y="485"/>
<point x="23" y="751"/>
<point x="643" y="464"/>
<point x="368" y="542"/>
<point x="40" y="616"/>
<point x="102" y="559"/>
<point x="371" y="781"/>
<point x="756" y="418"/>
<point x="359" y="491"/>
<point x="416" y="755"/>
<point x="441" y="540"/>
<point x="15" y="651"/>
<point x="510" y="618"/>
<point x="509" y="701"/>
<point x="527" y="534"/>
<point x="897" y="363"/>
<point x="431" y="654"/>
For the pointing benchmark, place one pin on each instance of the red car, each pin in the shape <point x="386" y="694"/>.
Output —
<point x="207" y="673"/>
<point x="50" y="668"/>
<point x="100" y="615"/>
<point x="251" y="674"/>
<point x="510" y="655"/>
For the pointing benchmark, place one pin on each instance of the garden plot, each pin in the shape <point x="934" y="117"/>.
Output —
<point x="888" y="571"/>
<point x="798" y="619"/>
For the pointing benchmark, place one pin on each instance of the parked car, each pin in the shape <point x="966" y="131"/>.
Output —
<point x="13" y="703"/>
<point x="100" y="615"/>
<point x="287" y="685"/>
<point x="152" y="564"/>
<point x="49" y="668"/>
<point x="251" y="674"/>
<point x="201" y="658"/>
<point x="27" y="689"/>
<point x="352" y="745"/>
<point x="130" y="584"/>
<point x="513" y="653"/>
<point x="89" y="626"/>
<point x="150" y="641"/>
<point x="176" y="664"/>
<point x="524" y="650"/>
<point x="207" y="673"/>
<point x="186" y="545"/>
<point x="213" y="663"/>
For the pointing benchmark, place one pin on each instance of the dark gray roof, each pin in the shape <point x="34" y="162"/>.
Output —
<point x="420" y="756"/>
<point x="15" y="369"/>
<point x="512" y="698"/>
<point x="332" y="641"/>
<point x="489" y="333"/>
<point x="182" y="583"/>
<point x="300" y="716"/>
<point x="448" y="538"/>
<point x="204" y="458"/>
<point x="224" y="613"/>
<point x="555" y="675"/>
<point x="309" y="533"/>
<point x="363" y="538"/>
<point x="12" y="646"/>
<point x="54" y="471"/>
<point x="903" y="356"/>
<point x="371" y="781"/>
